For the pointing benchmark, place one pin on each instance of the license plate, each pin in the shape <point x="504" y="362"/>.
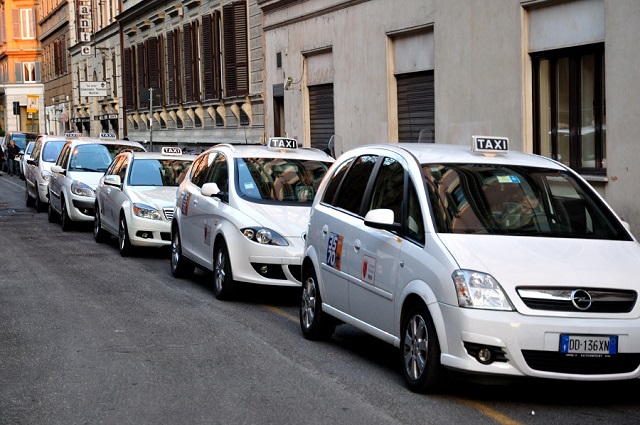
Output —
<point x="588" y="344"/>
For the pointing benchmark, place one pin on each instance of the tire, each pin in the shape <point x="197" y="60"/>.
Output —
<point x="29" y="201"/>
<point x="67" y="224"/>
<point x="180" y="266"/>
<point x="40" y="206"/>
<point x="124" y="243"/>
<point x="315" y="324"/>
<point x="222" y="278"/>
<point x="99" y="234"/>
<point x="420" y="352"/>
<point x="52" y="216"/>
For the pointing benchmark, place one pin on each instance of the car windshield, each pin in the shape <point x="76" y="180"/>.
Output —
<point x="516" y="200"/>
<point x="95" y="157"/>
<point x="279" y="179"/>
<point x="51" y="150"/>
<point x="158" y="172"/>
<point x="29" y="148"/>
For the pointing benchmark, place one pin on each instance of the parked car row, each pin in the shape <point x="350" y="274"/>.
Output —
<point x="468" y="259"/>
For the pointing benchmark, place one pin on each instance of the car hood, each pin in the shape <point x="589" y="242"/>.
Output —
<point x="154" y="196"/>
<point x="86" y="177"/>
<point x="521" y="261"/>
<point x="289" y="221"/>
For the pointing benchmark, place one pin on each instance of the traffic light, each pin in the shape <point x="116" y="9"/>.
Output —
<point x="16" y="108"/>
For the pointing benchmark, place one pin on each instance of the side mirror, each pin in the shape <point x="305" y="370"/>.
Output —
<point x="112" y="180"/>
<point x="57" y="169"/>
<point x="31" y="162"/>
<point x="211" y="189"/>
<point x="381" y="218"/>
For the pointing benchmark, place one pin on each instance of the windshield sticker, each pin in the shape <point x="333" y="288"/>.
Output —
<point x="369" y="269"/>
<point x="334" y="251"/>
<point x="508" y="179"/>
<point x="249" y="186"/>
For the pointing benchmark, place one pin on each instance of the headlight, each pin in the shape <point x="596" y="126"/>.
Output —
<point x="264" y="236"/>
<point x="81" y="189"/>
<point x="479" y="290"/>
<point x="45" y="175"/>
<point x="145" y="211"/>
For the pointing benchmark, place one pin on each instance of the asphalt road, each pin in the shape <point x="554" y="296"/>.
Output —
<point x="89" y="337"/>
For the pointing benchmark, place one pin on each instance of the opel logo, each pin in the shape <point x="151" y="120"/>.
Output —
<point x="581" y="299"/>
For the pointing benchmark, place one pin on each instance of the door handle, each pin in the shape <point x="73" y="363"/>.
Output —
<point x="357" y="244"/>
<point x="325" y="231"/>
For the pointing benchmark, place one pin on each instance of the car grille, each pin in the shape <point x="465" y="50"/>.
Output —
<point x="550" y="361"/>
<point x="168" y="213"/>
<point x="592" y="300"/>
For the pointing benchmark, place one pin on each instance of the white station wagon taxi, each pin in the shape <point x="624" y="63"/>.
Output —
<point x="242" y="212"/>
<point x="478" y="260"/>
<point x="135" y="198"/>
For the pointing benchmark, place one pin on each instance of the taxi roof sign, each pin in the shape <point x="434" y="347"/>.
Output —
<point x="107" y="136"/>
<point x="490" y="145"/>
<point x="71" y="135"/>
<point x="282" y="143"/>
<point x="171" y="150"/>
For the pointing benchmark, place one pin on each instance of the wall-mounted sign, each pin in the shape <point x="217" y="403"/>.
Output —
<point x="93" y="88"/>
<point x="32" y="103"/>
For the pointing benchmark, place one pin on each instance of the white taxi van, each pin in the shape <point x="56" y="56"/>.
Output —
<point x="136" y="196"/>
<point x="242" y="212"/>
<point x="473" y="259"/>
<point x="74" y="177"/>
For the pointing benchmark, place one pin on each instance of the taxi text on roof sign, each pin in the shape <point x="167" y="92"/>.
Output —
<point x="107" y="136"/>
<point x="70" y="135"/>
<point x="282" y="143"/>
<point x="167" y="150"/>
<point x="491" y="145"/>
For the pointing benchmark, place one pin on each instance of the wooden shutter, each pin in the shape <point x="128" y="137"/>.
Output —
<point x="211" y="55"/>
<point x="128" y="79"/>
<point x="171" y="66"/>
<point x="142" y="81"/>
<point x="152" y="60"/>
<point x="161" y="71"/>
<point x="187" y="62"/>
<point x="236" y="49"/>
<point x="18" y="69"/>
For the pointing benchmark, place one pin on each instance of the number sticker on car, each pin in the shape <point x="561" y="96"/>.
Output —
<point x="334" y="250"/>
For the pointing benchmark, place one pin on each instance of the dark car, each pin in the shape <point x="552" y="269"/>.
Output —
<point x="20" y="137"/>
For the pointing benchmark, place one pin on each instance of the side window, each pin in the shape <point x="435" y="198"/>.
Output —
<point x="121" y="169"/>
<point x="199" y="169"/>
<point x="351" y="192"/>
<point x="219" y="173"/>
<point x="64" y="156"/>
<point x="388" y="188"/>
<point x="113" y="166"/>
<point x="35" y="153"/>
<point x="335" y="180"/>
<point x="415" y="224"/>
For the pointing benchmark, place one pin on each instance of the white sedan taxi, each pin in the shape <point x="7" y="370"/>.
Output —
<point x="75" y="175"/>
<point x="473" y="259"/>
<point x="242" y="212"/>
<point x="136" y="197"/>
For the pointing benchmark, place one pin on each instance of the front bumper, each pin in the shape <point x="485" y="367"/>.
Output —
<point x="149" y="233"/>
<point x="530" y="344"/>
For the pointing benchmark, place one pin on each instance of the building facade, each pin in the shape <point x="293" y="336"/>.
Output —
<point x="21" y="88"/>
<point x="55" y="32"/>
<point x="541" y="72"/>
<point x="192" y="72"/>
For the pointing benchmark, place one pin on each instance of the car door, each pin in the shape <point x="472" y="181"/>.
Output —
<point x="31" y="168"/>
<point x="210" y="211"/>
<point x="111" y="196"/>
<point x="57" y="179"/>
<point x="332" y="226"/>
<point x="373" y="266"/>
<point x="187" y="200"/>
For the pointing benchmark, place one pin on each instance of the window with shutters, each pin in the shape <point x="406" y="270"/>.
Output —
<point x="236" y="49"/>
<point x="191" y="74"/>
<point x="154" y="67"/>
<point x="173" y="62"/>
<point x="128" y="77"/>
<point x="143" y="77"/>
<point x="211" y="55"/>
<point x="27" y="72"/>
<point x="24" y="24"/>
